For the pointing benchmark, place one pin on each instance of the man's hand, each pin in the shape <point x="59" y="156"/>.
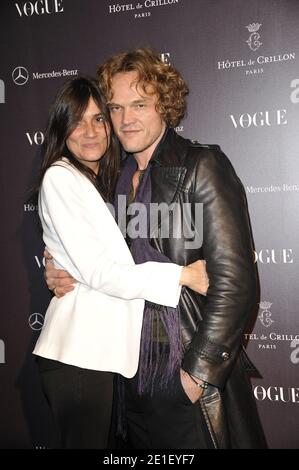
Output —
<point x="58" y="280"/>
<point x="193" y="392"/>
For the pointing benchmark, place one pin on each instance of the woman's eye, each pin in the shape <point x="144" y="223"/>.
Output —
<point x="100" y="118"/>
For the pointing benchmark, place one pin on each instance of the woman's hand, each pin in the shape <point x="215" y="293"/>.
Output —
<point x="58" y="280"/>
<point x="195" y="277"/>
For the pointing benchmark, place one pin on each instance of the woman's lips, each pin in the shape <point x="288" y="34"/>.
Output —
<point x="90" y="146"/>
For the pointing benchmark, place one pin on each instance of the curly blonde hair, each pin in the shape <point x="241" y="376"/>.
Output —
<point x="166" y="81"/>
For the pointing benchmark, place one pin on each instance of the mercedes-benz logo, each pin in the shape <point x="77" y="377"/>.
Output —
<point x="36" y="321"/>
<point x="20" y="75"/>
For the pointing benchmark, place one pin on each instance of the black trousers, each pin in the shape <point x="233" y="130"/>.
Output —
<point x="165" y="420"/>
<point x="81" y="403"/>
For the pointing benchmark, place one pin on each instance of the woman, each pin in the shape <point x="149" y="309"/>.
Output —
<point x="94" y="330"/>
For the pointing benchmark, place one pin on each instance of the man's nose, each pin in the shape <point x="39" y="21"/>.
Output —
<point x="127" y="116"/>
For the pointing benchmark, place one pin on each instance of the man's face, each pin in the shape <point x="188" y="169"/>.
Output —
<point x="135" y="119"/>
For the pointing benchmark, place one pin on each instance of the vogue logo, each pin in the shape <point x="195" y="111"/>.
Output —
<point x="40" y="263"/>
<point x="2" y="91"/>
<point x="260" y="119"/>
<point x="2" y="352"/>
<point x="268" y="256"/>
<point x="295" y="94"/>
<point x="40" y="7"/>
<point x="286" y="395"/>
<point x="37" y="138"/>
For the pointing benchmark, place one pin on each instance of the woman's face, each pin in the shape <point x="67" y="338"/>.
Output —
<point x="89" y="140"/>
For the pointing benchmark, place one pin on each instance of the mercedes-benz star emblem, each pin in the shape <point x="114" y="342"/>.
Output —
<point x="20" y="75"/>
<point x="36" y="321"/>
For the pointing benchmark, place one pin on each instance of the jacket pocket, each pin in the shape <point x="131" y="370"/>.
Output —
<point x="214" y="415"/>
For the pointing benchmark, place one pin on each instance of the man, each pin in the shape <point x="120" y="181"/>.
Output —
<point x="191" y="390"/>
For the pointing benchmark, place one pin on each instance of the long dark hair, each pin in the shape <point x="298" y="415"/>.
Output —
<point x="69" y="106"/>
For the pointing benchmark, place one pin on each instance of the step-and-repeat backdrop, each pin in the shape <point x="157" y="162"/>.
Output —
<point x="241" y="61"/>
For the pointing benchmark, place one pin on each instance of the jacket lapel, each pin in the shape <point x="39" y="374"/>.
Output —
<point x="167" y="182"/>
<point x="167" y="173"/>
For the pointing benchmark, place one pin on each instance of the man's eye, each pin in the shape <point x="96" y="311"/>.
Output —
<point x="113" y="109"/>
<point x="141" y="106"/>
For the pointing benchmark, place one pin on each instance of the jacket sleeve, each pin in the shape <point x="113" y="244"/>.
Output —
<point x="78" y="232"/>
<point x="228" y="251"/>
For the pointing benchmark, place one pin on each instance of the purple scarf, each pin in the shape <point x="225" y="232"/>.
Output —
<point x="159" y="360"/>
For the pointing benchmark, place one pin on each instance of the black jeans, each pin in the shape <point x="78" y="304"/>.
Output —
<point x="81" y="403"/>
<point x="165" y="420"/>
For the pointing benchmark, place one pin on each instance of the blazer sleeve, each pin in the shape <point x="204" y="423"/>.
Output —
<point x="82" y="240"/>
<point x="228" y="251"/>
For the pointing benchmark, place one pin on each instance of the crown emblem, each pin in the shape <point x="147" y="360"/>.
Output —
<point x="253" y="27"/>
<point x="265" y="305"/>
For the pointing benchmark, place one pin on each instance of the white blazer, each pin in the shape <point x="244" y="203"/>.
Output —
<point x="97" y="325"/>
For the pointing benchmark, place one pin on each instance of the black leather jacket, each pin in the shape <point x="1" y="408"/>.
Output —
<point x="212" y="327"/>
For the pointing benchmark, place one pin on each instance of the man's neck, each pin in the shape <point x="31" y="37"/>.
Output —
<point x="142" y="160"/>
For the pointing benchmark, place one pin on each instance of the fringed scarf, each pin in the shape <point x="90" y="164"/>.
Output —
<point x="159" y="360"/>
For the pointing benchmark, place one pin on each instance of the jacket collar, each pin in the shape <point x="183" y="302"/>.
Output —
<point x="171" y="150"/>
<point x="168" y="171"/>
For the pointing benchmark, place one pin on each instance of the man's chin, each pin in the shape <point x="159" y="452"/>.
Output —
<point x="131" y="148"/>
